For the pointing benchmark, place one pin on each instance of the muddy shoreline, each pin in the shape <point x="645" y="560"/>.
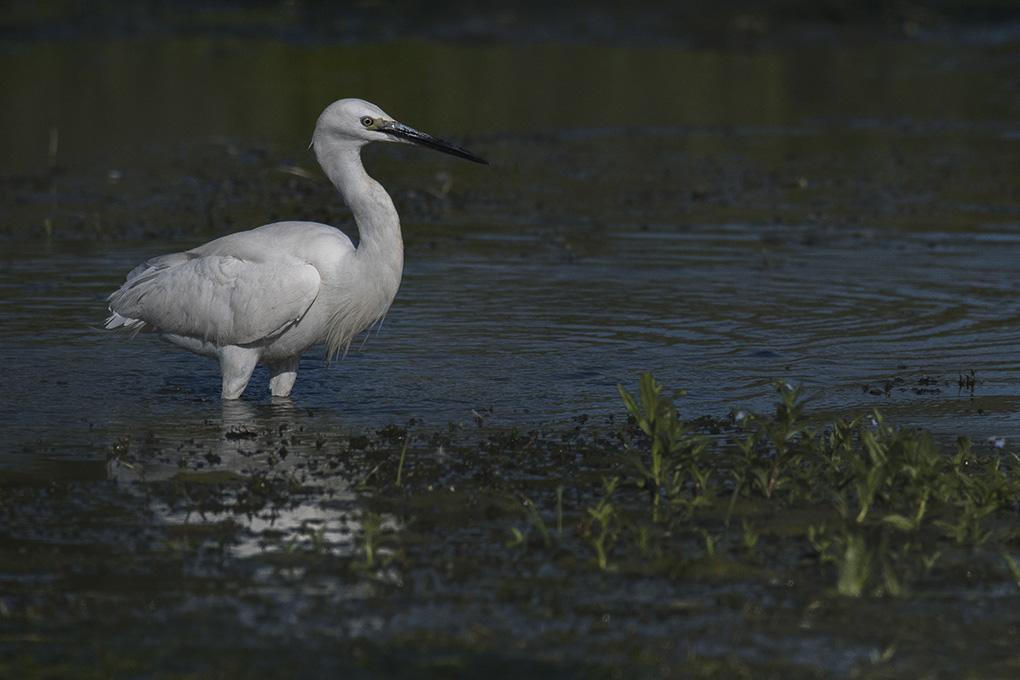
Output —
<point x="449" y="553"/>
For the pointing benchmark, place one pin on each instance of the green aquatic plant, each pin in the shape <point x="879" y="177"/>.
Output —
<point x="371" y="523"/>
<point x="711" y="542"/>
<point x="535" y="521"/>
<point x="1014" y="568"/>
<point x="673" y="456"/>
<point x="776" y="453"/>
<point x="317" y="538"/>
<point x="747" y="446"/>
<point x="373" y="542"/>
<point x="602" y="530"/>
<point x="874" y="560"/>
<point x="787" y="434"/>
<point x="896" y="469"/>
<point x="400" y="465"/>
<point x="848" y="554"/>
<point x="749" y="535"/>
<point x="898" y="496"/>
<point x="977" y="487"/>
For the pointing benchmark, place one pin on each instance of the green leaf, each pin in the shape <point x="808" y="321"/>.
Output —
<point x="900" y="522"/>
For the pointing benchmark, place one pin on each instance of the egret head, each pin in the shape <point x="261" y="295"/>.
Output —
<point x="358" y="122"/>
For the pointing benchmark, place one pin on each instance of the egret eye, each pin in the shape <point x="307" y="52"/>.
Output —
<point x="367" y="122"/>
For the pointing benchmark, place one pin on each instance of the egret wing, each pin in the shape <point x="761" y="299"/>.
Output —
<point x="218" y="298"/>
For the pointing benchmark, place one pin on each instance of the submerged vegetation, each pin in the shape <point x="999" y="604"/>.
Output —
<point x="772" y="524"/>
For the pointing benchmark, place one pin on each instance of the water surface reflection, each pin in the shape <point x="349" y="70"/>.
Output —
<point x="863" y="322"/>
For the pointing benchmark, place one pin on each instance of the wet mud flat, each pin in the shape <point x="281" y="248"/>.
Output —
<point x="761" y="545"/>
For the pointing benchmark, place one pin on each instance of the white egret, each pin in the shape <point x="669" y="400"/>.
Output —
<point x="269" y="294"/>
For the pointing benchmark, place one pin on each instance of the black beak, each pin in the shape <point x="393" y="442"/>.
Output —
<point x="402" y="132"/>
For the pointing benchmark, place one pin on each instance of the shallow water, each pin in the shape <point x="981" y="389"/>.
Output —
<point x="539" y="339"/>
<point x="843" y="218"/>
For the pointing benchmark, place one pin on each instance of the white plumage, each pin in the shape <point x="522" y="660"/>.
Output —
<point x="270" y="294"/>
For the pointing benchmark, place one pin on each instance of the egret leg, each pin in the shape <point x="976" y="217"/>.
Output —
<point x="236" y="365"/>
<point x="282" y="375"/>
